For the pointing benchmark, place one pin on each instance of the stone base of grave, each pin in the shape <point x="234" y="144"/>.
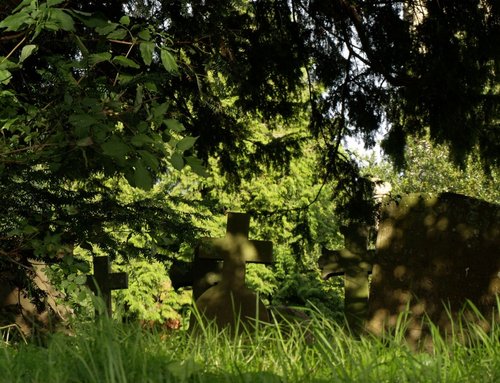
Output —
<point x="233" y="309"/>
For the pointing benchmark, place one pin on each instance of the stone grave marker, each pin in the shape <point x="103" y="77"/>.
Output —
<point x="31" y="311"/>
<point x="434" y="253"/>
<point x="201" y="273"/>
<point x="103" y="281"/>
<point x="355" y="263"/>
<point x="230" y="299"/>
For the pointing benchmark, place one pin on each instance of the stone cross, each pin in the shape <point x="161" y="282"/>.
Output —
<point x="238" y="224"/>
<point x="355" y="263"/>
<point x="103" y="281"/>
<point x="230" y="296"/>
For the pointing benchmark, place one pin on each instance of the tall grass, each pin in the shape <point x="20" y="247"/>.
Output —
<point x="319" y="351"/>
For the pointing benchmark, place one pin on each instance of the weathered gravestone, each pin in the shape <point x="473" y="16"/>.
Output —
<point x="355" y="263"/>
<point x="31" y="303"/>
<point x="103" y="282"/>
<point x="434" y="253"/>
<point x="230" y="300"/>
<point x="200" y="274"/>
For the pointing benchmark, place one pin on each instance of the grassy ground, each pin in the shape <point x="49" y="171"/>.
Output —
<point x="322" y="352"/>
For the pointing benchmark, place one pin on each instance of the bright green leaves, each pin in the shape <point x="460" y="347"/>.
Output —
<point x="174" y="125"/>
<point x="185" y="143"/>
<point x="168" y="61"/>
<point x="27" y="51"/>
<point x="58" y="19"/>
<point x="106" y="28"/>
<point x="145" y="35"/>
<point x="16" y="21"/>
<point x="96" y="58"/>
<point x="40" y="16"/>
<point x="5" y="76"/>
<point x="7" y="66"/>
<point x="125" y="20"/>
<point x="122" y="129"/>
<point x="147" y="48"/>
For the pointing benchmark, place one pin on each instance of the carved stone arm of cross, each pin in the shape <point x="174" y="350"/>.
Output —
<point x="236" y="244"/>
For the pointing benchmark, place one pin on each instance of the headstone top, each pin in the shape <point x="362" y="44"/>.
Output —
<point x="238" y="226"/>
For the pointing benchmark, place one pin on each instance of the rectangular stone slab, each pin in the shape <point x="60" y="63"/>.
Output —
<point x="434" y="253"/>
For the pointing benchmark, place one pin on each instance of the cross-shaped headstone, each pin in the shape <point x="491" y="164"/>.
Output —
<point x="238" y="224"/>
<point x="207" y="270"/>
<point x="235" y="249"/>
<point x="103" y="281"/>
<point x="355" y="263"/>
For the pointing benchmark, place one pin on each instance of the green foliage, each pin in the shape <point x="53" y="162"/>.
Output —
<point x="150" y="296"/>
<point x="104" y="104"/>
<point x="429" y="169"/>
<point x="86" y="128"/>
<point x="296" y="212"/>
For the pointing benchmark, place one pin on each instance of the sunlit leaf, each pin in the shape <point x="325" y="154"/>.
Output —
<point x="61" y="18"/>
<point x="106" y="29"/>
<point x="80" y="279"/>
<point x="23" y="4"/>
<point x="5" y="76"/>
<point x="186" y="143"/>
<point x="118" y="34"/>
<point x="16" y="21"/>
<point x="145" y="34"/>
<point x="27" y="51"/>
<point x="168" y="61"/>
<point x="99" y="57"/>
<point x="51" y="3"/>
<point x="147" y="48"/>
<point x="174" y="125"/>
<point x="125" y="20"/>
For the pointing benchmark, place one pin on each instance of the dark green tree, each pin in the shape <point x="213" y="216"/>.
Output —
<point x="95" y="91"/>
